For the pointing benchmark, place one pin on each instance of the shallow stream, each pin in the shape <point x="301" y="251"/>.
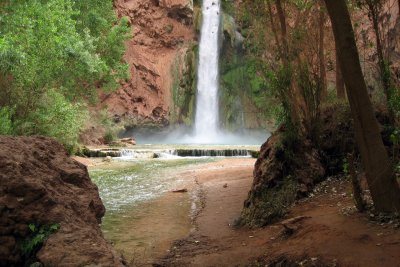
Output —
<point x="143" y="217"/>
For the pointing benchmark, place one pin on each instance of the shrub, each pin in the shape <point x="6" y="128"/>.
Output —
<point x="58" y="118"/>
<point x="6" y="125"/>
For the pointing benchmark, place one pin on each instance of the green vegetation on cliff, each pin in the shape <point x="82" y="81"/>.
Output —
<point x="246" y="90"/>
<point x="54" y="55"/>
<point x="184" y="86"/>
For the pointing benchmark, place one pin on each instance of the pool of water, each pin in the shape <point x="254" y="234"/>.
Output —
<point x="142" y="216"/>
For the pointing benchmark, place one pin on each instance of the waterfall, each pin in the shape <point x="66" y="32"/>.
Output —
<point x="206" y="120"/>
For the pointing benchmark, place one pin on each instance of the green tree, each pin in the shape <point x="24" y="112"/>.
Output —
<point x="379" y="171"/>
<point x="57" y="51"/>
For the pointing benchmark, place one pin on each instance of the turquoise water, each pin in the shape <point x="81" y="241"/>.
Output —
<point x="142" y="218"/>
<point x="124" y="184"/>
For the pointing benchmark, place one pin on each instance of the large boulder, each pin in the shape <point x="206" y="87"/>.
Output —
<point x="41" y="186"/>
<point x="285" y="170"/>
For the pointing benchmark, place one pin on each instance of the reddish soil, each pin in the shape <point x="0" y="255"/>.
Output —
<point x="325" y="231"/>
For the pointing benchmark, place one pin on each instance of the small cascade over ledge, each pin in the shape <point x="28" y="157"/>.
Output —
<point x="206" y="121"/>
<point x="173" y="153"/>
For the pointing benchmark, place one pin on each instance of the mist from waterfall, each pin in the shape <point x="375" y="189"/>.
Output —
<point x="206" y="130"/>
<point x="207" y="116"/>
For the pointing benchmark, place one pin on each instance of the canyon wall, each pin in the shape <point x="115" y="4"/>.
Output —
<point x="162" y="56"/>
<point x="162" y="35"/>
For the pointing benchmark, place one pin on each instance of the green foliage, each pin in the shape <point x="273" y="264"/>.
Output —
<point x="37" y="236"/>
<point x="394" y="101"/>
<point x="272" y="204"/>
<point x="57" y="53"/>
<point x="109" y="136"/>
<point x="6" y="125"/>
<point x="241" y="79"/>
<point x="55" y="116"/>
<point x="346" y="167"/>
<point x="279" y="81"/>
<point x="395" y="137"/>
<point x="302" y="4"/>
<point x="184" y="86"/>
<point x="111" y="131"/>
<point x="311" y="89"/>
<point x="227" y="6"/>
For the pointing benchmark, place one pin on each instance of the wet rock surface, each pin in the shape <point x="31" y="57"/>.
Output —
<point x="40" y="185"/>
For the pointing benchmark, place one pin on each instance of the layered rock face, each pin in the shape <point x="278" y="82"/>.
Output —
<point x="161" y="31"/>
<point x="40" y="185"/>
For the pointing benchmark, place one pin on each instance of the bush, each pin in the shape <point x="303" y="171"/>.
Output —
<point x="58" y="118"/>
<point x="111" y="130"/>
<point x="6" y="125"/>
<point x="55" y="54"/>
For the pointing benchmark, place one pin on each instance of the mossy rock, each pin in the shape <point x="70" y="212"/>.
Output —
<point x="184" y="85"/>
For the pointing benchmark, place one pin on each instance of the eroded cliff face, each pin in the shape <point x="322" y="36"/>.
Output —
<point x="162" y="31"/>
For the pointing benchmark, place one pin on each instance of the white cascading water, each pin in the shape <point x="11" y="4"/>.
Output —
<point x="206" y="120"/>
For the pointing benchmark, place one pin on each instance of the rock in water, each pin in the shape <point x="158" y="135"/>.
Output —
<point x="40" y="185"/>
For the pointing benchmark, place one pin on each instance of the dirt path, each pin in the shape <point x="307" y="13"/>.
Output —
<point x="325" y="230"/>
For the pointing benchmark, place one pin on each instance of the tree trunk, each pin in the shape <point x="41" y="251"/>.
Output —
<point x="340" y="90"/>
<point x="282" y="20"/>
<point x="299" y="114"/>
<point x="384" y="188"/>
<point x="273" y="27"/>
<point x="322" y="69"/>
<point x="357" y="191"/>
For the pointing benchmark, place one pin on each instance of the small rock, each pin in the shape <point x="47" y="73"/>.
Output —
<point x="107" y="159"/>
<point x="225" y="186"/>
<point x="129" y="140"/>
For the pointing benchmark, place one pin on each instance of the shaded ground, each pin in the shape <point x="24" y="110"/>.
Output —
<point x="325" y="231"/>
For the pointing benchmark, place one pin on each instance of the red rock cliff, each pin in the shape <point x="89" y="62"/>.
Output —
<point x="161" y="29"/>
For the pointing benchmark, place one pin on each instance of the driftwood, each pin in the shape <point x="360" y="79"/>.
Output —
<point x="183" y="190"/>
